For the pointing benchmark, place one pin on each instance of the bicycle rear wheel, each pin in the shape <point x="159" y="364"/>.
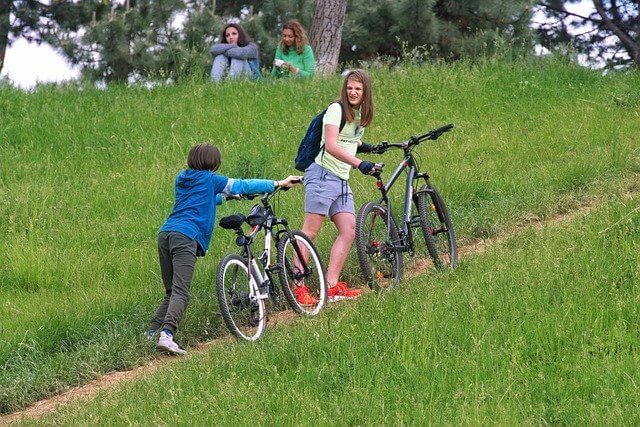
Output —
<point x="243" y="314"/>
<point x="381" y="264"/>
<point x="293" y="255"/>
<point x="437" y="228"/>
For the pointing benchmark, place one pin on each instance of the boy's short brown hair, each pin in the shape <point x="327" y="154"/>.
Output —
<point x="204" y="156"/>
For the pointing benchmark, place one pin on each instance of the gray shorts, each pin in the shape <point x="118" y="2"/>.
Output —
<point x="325" y="193"/>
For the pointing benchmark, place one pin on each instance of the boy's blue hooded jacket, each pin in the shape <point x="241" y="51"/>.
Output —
<point x="197" y="192"/>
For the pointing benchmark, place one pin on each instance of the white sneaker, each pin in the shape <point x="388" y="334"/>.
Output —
<point x="166" y="343"/>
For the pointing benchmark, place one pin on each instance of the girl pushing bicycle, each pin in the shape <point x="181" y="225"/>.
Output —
<point x="327" y="191"/>
<point x="186" y="233"/>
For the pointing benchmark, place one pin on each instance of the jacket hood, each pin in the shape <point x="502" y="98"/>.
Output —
<point x="189" y="177"/>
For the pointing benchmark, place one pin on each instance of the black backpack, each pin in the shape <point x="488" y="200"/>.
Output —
<point x="310" y="145"/>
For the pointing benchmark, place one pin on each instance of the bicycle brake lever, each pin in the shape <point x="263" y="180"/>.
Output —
<point x="380" y="148"/>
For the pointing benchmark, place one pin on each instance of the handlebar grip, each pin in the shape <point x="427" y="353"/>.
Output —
<point x="443" y="129"/>
<point x="433" y="134"/>
<point x="249" y="196"/>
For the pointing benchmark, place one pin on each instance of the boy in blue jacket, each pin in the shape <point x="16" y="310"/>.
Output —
<point x="186" y="233"/>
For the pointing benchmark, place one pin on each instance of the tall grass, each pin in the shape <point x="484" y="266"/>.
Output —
<point x="541" y="329"/>
<point x="86" y="181"/>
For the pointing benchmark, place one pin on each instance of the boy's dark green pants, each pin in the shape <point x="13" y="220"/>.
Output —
<point x="177" y="254"/>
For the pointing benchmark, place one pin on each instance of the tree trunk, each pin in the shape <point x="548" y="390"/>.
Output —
<point x="628" y="42"/>
<point x="5" y="24"/>
<point x="326" y="34"/>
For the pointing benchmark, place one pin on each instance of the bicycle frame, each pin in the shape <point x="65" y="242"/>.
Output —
<point x="257" y="279"/>
<point x="260" y="275"/>
<point x="405" y="243"/>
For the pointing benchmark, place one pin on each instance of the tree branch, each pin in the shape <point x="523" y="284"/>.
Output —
<point x="567" y="13"/>
<point x="627" y="41"/>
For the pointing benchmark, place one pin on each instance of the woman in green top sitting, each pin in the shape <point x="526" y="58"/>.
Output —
<point x="294" y="56"/>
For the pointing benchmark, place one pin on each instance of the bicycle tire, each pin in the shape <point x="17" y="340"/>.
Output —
<point x="244" y="317"/>
<point x="437" y="228"/>
<point x="291" y="276"/>
<point x="381" y="264"/>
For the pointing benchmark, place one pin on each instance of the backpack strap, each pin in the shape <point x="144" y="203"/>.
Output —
<point x="343" y="122"/>
<point x="343" y="119"/>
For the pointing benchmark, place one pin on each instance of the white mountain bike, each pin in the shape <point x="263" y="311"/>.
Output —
<point x="245" y="281"/>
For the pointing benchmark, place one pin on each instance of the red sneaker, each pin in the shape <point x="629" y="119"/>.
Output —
<point x="340" y="291"/>
<point x="304" y="297"/>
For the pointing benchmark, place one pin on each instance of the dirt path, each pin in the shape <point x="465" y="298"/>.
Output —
<point x="89" y="390"/>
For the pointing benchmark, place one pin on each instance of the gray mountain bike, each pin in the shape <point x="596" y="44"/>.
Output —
<point x="381" y="242"/>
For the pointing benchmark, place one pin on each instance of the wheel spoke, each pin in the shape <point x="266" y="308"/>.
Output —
<point x="302" y="277"/>
<point x="243" y="315"/>
<point x="437" y="228"/>
<point x="380" y="263"/>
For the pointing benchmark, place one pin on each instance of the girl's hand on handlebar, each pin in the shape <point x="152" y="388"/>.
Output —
<point x="369" y="168"/>
<point x="290" y="181"/>
<point x="366" y="167"/>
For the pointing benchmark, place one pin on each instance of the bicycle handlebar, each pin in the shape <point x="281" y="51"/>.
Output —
<point x="414" y="140"/>
<point x="434" y="134"/>
<point x="254" y="195"/>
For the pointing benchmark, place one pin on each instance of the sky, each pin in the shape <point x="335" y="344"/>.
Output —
<point x="29" y="63"/>
<point x="26" y="64"/>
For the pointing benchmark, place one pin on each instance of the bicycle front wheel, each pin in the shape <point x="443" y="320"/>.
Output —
<point x="437" y="228"/>
<point x="301" y="273"/>
<point x="243" y="314"/>
<point x="380" y="262"/>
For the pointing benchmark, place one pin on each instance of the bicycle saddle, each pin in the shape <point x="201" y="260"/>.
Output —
<point x="232" y="222"/>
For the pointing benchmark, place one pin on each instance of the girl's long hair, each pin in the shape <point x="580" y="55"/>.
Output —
<point x="299" y="35"/>
<point x="243" y="37"/>
<point x="366" y="106"/>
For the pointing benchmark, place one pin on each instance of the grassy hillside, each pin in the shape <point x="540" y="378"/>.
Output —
<point x="86" y="181"/>
<point x="542" y="329"/>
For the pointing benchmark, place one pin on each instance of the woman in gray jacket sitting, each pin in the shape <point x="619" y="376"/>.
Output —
<point x="236" y="56"/>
